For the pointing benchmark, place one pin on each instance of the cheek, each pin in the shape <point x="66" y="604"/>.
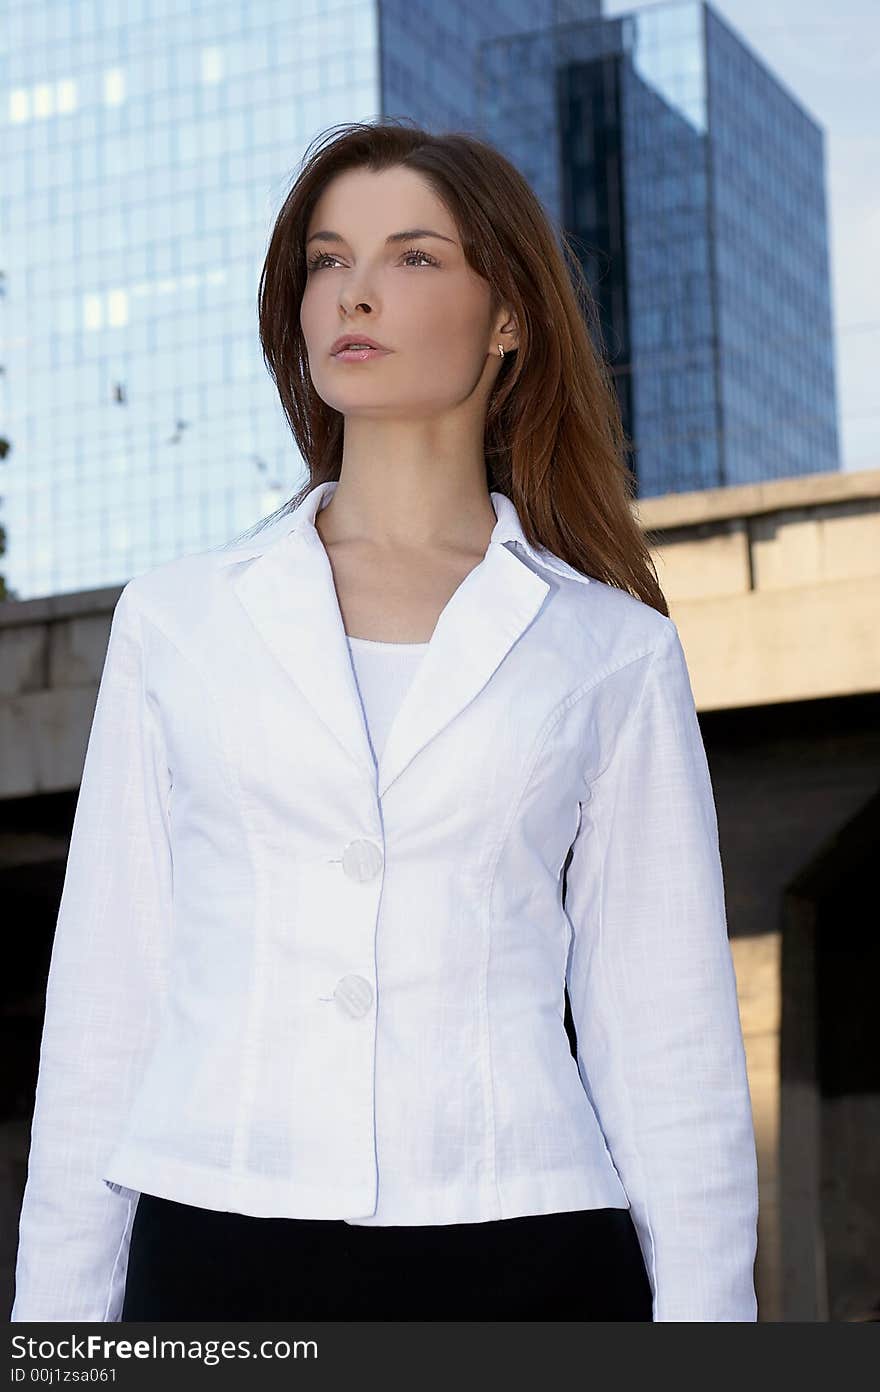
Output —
<point x="460" y="354"/>
<point x="307" y="314"/>
<point x="445" y="330"/>
<point x="316" y="324"/>
<point x="443" y="313"/>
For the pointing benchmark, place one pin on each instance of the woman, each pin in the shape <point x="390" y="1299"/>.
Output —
<point x="363" y="796"/>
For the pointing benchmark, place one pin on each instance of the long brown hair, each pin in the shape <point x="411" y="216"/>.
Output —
<point x="554" y="439"/>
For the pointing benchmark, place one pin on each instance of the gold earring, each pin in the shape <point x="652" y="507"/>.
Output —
<point x="500" y="350"/>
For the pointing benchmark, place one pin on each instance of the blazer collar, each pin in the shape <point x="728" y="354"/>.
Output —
<point x="289" y="594"/>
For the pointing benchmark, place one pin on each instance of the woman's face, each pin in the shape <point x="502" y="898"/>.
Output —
<point x="415" y="295"/>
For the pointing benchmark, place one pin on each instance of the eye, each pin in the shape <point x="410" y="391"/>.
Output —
<point x="321" y="257"/>
<point x="417" y="251"/>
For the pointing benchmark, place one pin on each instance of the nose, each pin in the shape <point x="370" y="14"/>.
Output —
<point x="348" y="287"/>
<point x="362" y="304"/>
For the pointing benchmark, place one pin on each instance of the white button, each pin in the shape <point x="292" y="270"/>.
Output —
<point x="362" y="860"/>
<point x="354" y="994"/>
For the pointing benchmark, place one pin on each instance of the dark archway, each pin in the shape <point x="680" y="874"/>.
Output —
<point x="830" y="1081"/>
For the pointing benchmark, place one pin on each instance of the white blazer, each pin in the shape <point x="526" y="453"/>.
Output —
<point x="287" y="982"/>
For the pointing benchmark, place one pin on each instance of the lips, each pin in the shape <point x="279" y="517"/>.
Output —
<point x="350" y="340"/>
<point x="352" y="355"/>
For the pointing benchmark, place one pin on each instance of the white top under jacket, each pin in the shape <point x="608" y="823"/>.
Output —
<point x="383" y="671"/>
<point x="286" y="975"/>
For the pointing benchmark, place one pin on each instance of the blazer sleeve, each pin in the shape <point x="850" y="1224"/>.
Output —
<point x="654" y="1002"/>
<point x="104" y="986"/>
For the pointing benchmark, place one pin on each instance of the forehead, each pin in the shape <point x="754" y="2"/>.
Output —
<point x="375" y="201"/>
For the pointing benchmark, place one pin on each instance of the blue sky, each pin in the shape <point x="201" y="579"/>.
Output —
<point x="828" y="56"/>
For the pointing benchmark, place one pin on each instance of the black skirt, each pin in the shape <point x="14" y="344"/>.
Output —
<point x="189" y="1263"/>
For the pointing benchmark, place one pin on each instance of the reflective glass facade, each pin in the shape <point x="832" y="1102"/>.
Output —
<point x="772" y="284"/>
<point x="430" y="52"/>
<point x="146" y="147"/>
<point x="146" y="144"/>
<point x="693" y="186"/>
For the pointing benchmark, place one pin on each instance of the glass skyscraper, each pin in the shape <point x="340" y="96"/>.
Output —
<point x="147" y="145"/>
<point x="692" y="185"/>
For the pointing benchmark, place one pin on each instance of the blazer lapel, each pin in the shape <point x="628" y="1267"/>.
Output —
<point x="289" y="594"/>
<point x="477" y="627"/>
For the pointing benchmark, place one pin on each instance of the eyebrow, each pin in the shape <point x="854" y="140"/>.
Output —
<point x="407" y="236"/>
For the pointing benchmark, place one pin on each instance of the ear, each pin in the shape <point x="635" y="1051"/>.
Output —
<point x="506" y="332"/>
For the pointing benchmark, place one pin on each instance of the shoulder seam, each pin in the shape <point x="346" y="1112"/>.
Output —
<point x="631" y="717"/>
